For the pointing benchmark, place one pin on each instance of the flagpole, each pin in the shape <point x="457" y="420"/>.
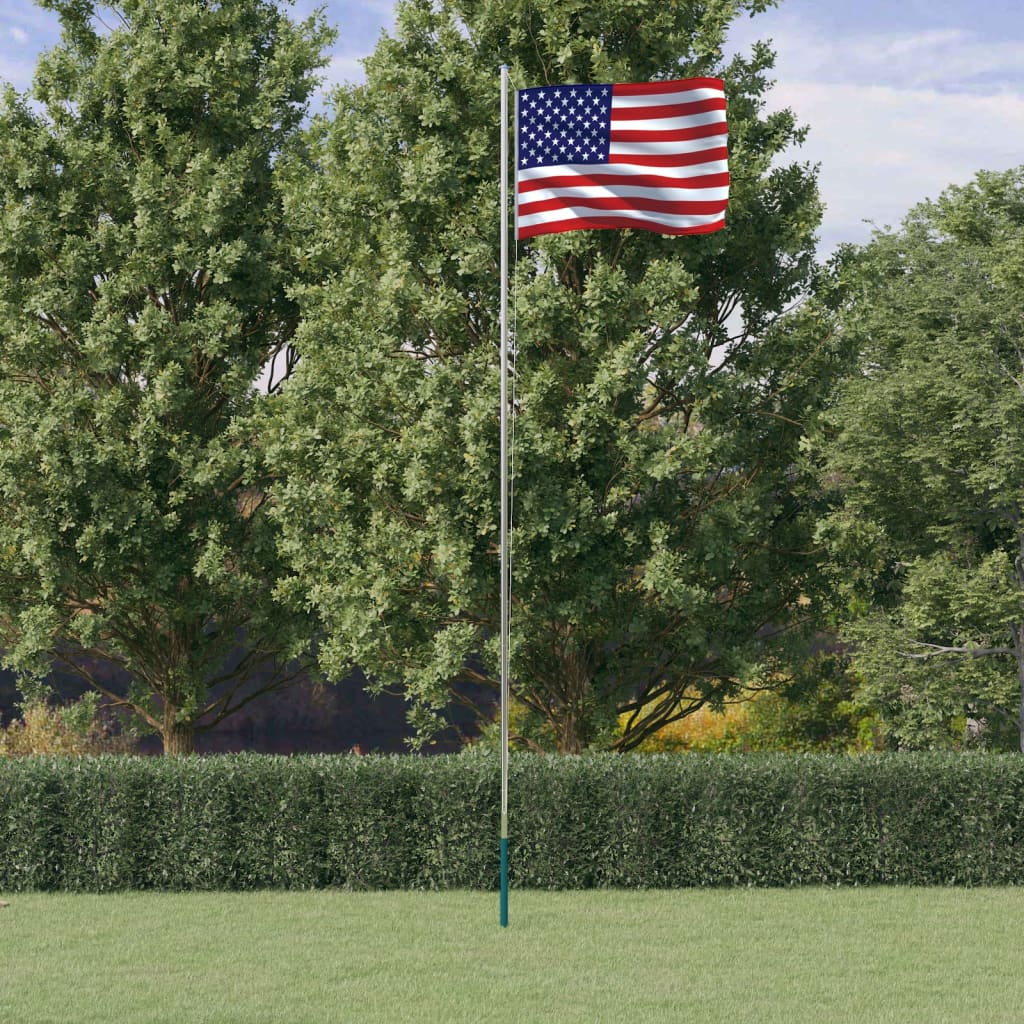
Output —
<point x="505" y="581"/>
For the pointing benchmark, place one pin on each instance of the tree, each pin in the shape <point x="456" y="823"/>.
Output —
<point x="661" y="538"/>
<point x="925" y="458"/>
<point x="143" y="285"/>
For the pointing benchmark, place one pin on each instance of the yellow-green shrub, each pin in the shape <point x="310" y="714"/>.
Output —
<point x="70" y="729"/>
<point x="707" y="729"/>
<point x="805" y="716"/>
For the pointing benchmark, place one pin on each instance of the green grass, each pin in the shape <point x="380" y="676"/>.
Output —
<point x="818" y="955"/>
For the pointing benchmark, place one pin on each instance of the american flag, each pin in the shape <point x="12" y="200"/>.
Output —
<point x="647" y="155"/>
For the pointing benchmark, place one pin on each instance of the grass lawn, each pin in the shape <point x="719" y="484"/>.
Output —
<point x="916" y="956"/>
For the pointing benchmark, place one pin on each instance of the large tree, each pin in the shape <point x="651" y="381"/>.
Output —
<point x="660" y="544"/>
<point x="925" y="458"/>
<point x="143" y="285"/>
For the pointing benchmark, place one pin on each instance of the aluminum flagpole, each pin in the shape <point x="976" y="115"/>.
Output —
<point x="505" y="581"/>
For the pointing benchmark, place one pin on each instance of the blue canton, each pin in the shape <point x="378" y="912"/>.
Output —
<point x="564" y="124"/>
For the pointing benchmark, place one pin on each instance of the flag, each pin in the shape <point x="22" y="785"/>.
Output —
<point x="646" y="155"/>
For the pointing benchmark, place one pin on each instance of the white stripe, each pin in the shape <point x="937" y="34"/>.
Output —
<point x="661" y="99"/>
<point x="684" y="195"/>
<point x="671" y="124"/>
<point x="671" y="220"/>
<point x="665" y="148"/>
<point x="625" y="171"/>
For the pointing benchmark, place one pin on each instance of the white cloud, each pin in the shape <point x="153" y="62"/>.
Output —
<point x="25" y="31"/>
<point x="883" y="149"/>
<point x="896" y="118"/>
<point x="954" y="59"/>
<point x="343" y="69"/>
<point x="16" y="71"/>
<point x="927" y="40"/>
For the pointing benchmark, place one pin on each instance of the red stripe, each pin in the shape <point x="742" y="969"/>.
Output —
<point x="574" y="223"/>
<point x="702" y="131"/>
<point x="670" y="160"/>
<point x="674" y="206"/>
<point x="638" y="180"/>
<point x="654" y="88"/>
<point x="667" y="110"/>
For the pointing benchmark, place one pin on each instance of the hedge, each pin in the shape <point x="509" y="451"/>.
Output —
<point x="251" y="821"/>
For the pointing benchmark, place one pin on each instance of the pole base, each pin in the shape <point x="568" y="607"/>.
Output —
<point x="504" y="882"/>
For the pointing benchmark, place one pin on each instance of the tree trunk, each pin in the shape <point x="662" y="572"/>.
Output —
<point x="569" y="717"/>
<point x="569" y="739"/>
<point x="178" y="737"/>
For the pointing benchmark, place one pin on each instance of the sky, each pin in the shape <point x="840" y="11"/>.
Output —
<point x="902" y="97"/>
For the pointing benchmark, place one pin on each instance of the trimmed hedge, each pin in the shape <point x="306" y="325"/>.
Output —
<point x="250" y="821"/>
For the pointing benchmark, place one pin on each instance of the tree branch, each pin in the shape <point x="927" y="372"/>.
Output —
<point x="938" y="650"/>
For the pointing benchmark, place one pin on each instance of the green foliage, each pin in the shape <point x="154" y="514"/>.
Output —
<point x="527" y="730"/>
<point x="816" y="710"/>
<point x="659" y="821"/>
<point x="661" y="515"/>
<point x="827" y="720"/>
<point x="143" y="273"/>
<point x="924" y="455"/>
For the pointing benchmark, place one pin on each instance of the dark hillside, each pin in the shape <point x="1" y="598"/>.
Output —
<point x="308" y="718"/>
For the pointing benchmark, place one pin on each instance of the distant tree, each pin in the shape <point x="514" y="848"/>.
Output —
<point x="926" y="460"/>
<point x="661" y="541"/>
<point x="143" y="285"/>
